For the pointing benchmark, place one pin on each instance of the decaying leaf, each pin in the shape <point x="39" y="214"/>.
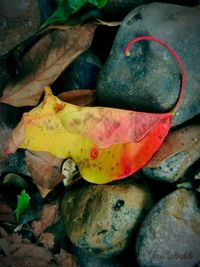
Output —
<point x="6" y="212"/>
<point x="66" y="259"/>
<point x="78" y="97"/>
<point x="105" y="143"/>
<point x="44" y="62"/>
<point x="45" y="170"/>
<point x="22" y="254"/>
<point x="47" y="218"/>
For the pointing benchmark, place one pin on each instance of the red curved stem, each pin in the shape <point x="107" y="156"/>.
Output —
<point x="174" y="54"/>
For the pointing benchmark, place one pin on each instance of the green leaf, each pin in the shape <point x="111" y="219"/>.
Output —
<point x="66" y="8"/>
<point x="22" y="204"/>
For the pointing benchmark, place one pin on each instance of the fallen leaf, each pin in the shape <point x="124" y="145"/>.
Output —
<point x="78" y="97"/>
<point x="19" y="253"/>
<point x="66" y="8"/>
<point x="6" y="212"/>
<point x="66" y="259"/>
<point x="47" y="239"/>
<point x="45" y="170"/>
<point x="22" y="204"/>
<point x="106" y="144"/>
<point x="47" y="218"/>
<point x="45" y="61"/>
<point x="5" y="131"/>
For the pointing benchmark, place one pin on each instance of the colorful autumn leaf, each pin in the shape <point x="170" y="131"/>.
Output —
<point x="106" y="143"/>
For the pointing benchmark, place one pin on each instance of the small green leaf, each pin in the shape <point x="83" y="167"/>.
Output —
<point x="66" y="8"/>
<point x="22" y="204"/>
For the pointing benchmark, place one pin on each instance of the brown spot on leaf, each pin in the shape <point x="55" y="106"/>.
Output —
<point x="59" y="107"/>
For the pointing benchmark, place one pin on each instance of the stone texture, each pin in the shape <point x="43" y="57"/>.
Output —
<point x="180" y="150"/>
<point x="119" y="8"/>
<point x="149" y="80"/>
<point x="19" y="19"/>
<point x="170" y="234"/>
<point x="101" y="218"/>
<point x="81" y="74"/>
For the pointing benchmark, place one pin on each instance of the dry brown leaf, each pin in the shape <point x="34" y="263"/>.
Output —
<point x="78" y="97"/>
<point x="6" y="213"/>
<point x="48" y="216"/>
<point x="5" y="132"/>
<point x="66" y="259"/>
<point x="177" y="141"/>
<point x="45" y="170"/>
<point x="44" y="62"/>
<point x="47" y="239"/>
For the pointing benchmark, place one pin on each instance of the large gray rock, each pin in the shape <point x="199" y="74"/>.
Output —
<point x="170" y="234"/>
<point x="19" y="19"/>
<point x="101" y="218"/>
<point x="149" y="79"/>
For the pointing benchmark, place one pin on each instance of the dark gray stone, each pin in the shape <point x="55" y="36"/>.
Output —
<point x="81" y="74"/>
<point x="170" y="234"/>
<point x="19" y="19"/>
<point x="119" y="8"/>
<point x="100" y="219"/>
<point x="149" y="79"/>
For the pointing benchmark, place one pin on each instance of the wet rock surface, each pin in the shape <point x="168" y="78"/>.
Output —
<point x="19" y="19"/>
<point x="179" y="151"/>
<point x="169" y="235"/>
<point x="101" y="218"/>
<point x="149" y="79"/>
<point x="81" y="74"/>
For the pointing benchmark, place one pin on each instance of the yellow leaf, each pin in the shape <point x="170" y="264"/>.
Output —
<point x="106" y="144"/>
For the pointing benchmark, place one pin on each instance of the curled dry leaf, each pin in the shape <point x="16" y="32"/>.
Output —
<point x="78" y="97"/>
<point x="44" y="62"/>
<point x="45" y="170"/>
